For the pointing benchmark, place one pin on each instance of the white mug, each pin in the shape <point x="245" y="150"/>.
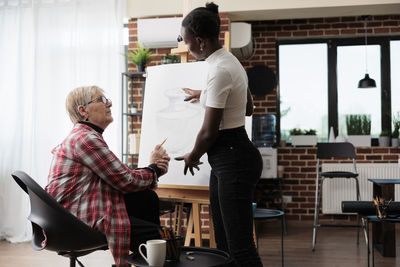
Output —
<point x="156" y="250"/>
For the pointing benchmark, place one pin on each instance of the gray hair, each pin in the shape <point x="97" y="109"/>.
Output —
<point x="77" y="97"/>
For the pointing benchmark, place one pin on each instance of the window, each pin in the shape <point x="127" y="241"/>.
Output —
<point x="351" y="67"/>
<point x="303" y="86"/>
<point x="318" y="80"/>
<point x="395" y="77"/>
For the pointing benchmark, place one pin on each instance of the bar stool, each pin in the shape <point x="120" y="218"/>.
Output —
<point x="267" y="214"/>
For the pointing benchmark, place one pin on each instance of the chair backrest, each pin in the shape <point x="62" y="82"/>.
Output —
<point x="338" y="150"/>
<point x="63" y="231"/>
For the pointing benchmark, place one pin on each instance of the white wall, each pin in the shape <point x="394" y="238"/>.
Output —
<point x="266" y="10"/>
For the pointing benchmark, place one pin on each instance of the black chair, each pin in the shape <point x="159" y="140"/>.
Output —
<point x="328" y="151"/>
<point x="65" y="234"/>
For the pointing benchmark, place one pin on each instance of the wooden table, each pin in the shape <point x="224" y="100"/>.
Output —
<point x="385" y="232"/>
<point x="196" y="196"/>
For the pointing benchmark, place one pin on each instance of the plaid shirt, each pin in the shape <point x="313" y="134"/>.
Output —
<point x="89" y="180"/>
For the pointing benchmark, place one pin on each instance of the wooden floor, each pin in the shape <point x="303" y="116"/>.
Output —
<point x="336" y="247"/>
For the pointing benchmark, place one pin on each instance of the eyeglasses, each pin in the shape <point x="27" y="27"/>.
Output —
<point x="179" y="39"/>
<point x="102" y="99"/>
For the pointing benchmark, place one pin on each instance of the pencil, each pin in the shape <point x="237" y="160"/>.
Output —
<point x="164" y="141"/>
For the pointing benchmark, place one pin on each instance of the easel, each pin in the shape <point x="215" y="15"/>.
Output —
<point x="194" y="195"/>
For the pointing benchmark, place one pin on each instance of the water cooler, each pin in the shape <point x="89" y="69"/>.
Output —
<point x="263" y="135"/>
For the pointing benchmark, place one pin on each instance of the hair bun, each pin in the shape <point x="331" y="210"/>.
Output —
<point x="212" y="7"/>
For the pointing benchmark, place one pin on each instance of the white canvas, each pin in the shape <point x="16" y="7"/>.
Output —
<point x="167" y="115"/>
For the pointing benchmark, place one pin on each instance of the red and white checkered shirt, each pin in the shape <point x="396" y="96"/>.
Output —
<point x="88" y="180"/>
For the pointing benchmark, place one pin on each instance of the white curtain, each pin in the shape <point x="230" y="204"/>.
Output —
<point x="47" y="48"/>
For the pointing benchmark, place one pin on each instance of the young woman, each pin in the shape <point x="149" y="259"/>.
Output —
<point x="236" y="163"/>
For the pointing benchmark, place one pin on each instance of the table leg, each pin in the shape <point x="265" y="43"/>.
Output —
<point x="384" y="233"/>
<point x="283" y="225"/>
<point x="282" y="203"/>
<point x="373" y="247"/>
<point x="367" y="229"/>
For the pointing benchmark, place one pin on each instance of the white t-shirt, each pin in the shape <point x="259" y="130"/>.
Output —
<point x="226" y="88"/>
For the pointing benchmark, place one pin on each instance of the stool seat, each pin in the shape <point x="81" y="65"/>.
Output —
<point x="337" y="174"/>
<point x="267" y="213"/>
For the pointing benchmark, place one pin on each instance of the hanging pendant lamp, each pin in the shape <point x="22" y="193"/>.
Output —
<point x="366" y="82"/>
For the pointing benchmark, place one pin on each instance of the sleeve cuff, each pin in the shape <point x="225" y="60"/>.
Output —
<point x="157" y="170"/>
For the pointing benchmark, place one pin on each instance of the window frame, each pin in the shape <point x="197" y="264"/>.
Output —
<point x="332" y="45"/>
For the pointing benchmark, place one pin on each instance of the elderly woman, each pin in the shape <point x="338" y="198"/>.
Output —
<point x="94" y="185"/>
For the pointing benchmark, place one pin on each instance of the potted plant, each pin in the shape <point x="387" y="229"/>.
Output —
<point x="170" y="59"/>
<point x="141" y="57"/>
<point x="359" y="129"/>
<point x="395" y="133"/>
<point x="303" y="138"/>
<point x="384" y="138"/>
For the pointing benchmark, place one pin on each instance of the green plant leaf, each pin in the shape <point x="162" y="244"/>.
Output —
<point x="141" y="56"/>
<point x="384" y="133"/>
<point x="358" y="124"/>
<point x="296" y="131"/>
<point x="310" y="132"/>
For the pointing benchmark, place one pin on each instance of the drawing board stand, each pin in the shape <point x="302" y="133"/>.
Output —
<point x="195" y="196"/>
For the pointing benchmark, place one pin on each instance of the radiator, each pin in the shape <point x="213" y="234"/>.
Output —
<point x="334" y="191"/>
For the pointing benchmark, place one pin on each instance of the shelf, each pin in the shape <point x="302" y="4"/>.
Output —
<point x="135" y="74"/>
<point x="128" y="117"/>
<point x="132" y="114"/>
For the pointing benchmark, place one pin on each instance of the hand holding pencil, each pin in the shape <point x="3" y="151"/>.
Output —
<point x="160" y="157"/>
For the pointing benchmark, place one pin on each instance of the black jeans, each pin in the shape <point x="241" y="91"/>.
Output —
<point x="144" y="216"/>
<point x="236" y="167"/>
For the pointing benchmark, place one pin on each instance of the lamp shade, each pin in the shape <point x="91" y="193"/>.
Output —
<point x="367" y="82"/>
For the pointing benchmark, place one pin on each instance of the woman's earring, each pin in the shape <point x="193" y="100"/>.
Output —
<point x="201" y="48"/>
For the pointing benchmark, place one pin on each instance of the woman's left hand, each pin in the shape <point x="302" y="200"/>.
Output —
<point x="189" y="163"/>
